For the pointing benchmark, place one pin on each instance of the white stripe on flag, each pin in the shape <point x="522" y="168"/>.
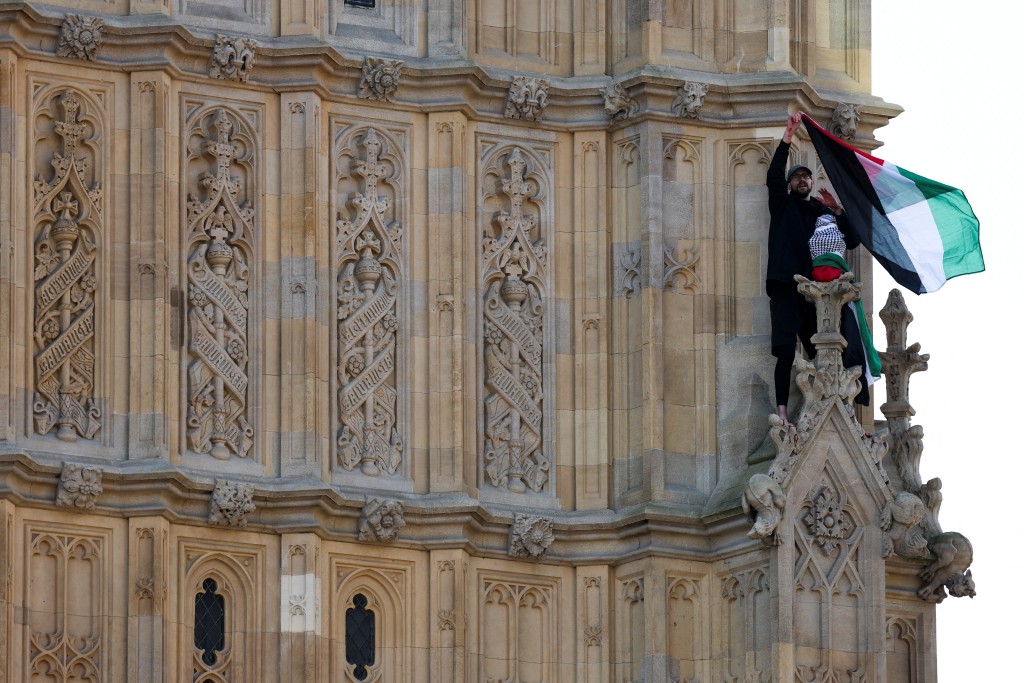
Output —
<point x="919" y="235"/>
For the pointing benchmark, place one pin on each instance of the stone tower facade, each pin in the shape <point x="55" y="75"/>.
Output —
<point x="393" y="340"/>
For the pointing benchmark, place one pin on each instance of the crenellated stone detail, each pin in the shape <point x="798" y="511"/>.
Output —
<point x="221" y="224"/>
<point x="68" y="213"/>
<point x="369" y="274"/>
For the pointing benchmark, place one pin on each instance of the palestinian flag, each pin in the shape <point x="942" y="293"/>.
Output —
<point x="921" y="231"/>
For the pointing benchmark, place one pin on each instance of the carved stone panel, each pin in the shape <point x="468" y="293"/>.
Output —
<point x="68" y="219"/>
<point x="220" y="161"/>
<point x="514" y="280"/>
<point x="368" y="270"/>
<point x="522" y="637"/>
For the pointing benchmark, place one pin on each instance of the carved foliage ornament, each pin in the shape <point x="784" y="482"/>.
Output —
<point x="219" y="242"/>
<point x="380" y="79"/>
<point x="80" y="37"/>
<point x="369" y="268"/>
<point x="527" y="98"/>
<point x="530" y="536"/>
<point x="618" y="103"/>
<point x="381" y="520"/>
<point x="231" y="503"/>
<point x="233" y="58"/>
<point x="827" y="521"/>
<point x="79" y="486"/>
<point x="514" y="265"/>
<point x="690" y="100"/>
<point x="67" y="214"/>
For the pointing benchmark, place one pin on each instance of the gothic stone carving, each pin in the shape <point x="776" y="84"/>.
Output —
<point x="681" y="273"/>
<point x="79" y="486"/>
<point x="67" y="215"/>
<point x="80" y="37"/>
<point x="380" y="79"/>
<point x="953" y="555"/>
<point x="231" y="503"/>
<point x="764" y="497"/>
<point x="514" y="265"/>
<point x="219" y="245"/>
<point x="233" y="58"/>
<point x="381" y="520"/>
<point x="845" y="118"/>
<point x="826" y="519"/>
<point x="368" y="270"/>
<point x="618" y="103"/>
<point x="627" y="272"/>
<point x="690" y="100"/>
<point x="530" y="536"/>
<point x="527" y="98"/>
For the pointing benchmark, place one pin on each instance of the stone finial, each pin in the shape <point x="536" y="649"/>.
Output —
<point x="80" y="37"/>
<point x="381" y="520"/>
<point x="530" y="536"/>
<point x="527" y="98"/>
<point x="380" y="79"/>
<point x="845" y="118"/>
<point x="618" y="103"/>
<point x="233" y="58"/>
<point x="79" y="486"/>
<point x="231" y="503"/>
<point x="765" y="501"/>
<point x="690" y="99"/>
<point x="899" y="361"/>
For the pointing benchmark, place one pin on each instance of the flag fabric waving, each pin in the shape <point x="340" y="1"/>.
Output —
<point x="922" y="232"/>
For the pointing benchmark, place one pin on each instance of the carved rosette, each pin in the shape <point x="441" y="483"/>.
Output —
<point x="690" y="99"/>
<point x="233" y="58"/>
<point x="231" y="503"/>
<point x="79" y="486"/>
<point x="67" y="216"/>
<point x="514" y="264"/>
<point x="527" y="98"/>
<point x="530" y="536"/>
<point x="220" y="246"/>
<point x="826" y="519"/>
<point x="618" y="103"/>
<point x="368" y="267"/>
<point x="380" y="79"/>
<point x="381" y="520"/>
<point x="80" y="37"/>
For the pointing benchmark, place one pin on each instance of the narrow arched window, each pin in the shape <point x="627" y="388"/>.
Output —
<point x="360" y="636"/>
<point x="209" y="625"/>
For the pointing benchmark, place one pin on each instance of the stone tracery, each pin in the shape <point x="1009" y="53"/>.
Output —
<point x="221" y="223"/>
<point x="368" y="271"/>
<point x="514" y="265"/>
<point x="68" y="211"/>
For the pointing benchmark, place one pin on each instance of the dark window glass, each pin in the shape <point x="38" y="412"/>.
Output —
<point x="359" y="636"/>
<point x="209" y="622"/>
<point x="362" y="3"/>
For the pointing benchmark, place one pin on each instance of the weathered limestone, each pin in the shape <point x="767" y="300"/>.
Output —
<point x="441" y="320"/>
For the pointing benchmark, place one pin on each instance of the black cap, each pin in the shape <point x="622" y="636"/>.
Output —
<point x="798" y="167"/>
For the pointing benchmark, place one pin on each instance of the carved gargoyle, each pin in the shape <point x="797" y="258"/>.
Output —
<point x="764" y="497"/>
<point x="953" y="555"/>
<point x="903" y="521"/>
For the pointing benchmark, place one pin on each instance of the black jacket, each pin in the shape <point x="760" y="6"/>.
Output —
<point x="792" y="224"/>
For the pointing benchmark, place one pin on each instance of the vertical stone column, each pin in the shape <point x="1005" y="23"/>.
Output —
<point x="8" y="195"/>
<point x="591" y="320"/>
<point x="301" y="613"/>
<point x="150" y="320"/>
<point x="148" y="563"/>
<point x="8" y="555"/>
<point x="447" y="616"/>
<point x="304" y="259"/>
<point x="447" y="212"/>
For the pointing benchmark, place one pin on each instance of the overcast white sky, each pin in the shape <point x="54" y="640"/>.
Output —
<point x="954" y="67"/>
